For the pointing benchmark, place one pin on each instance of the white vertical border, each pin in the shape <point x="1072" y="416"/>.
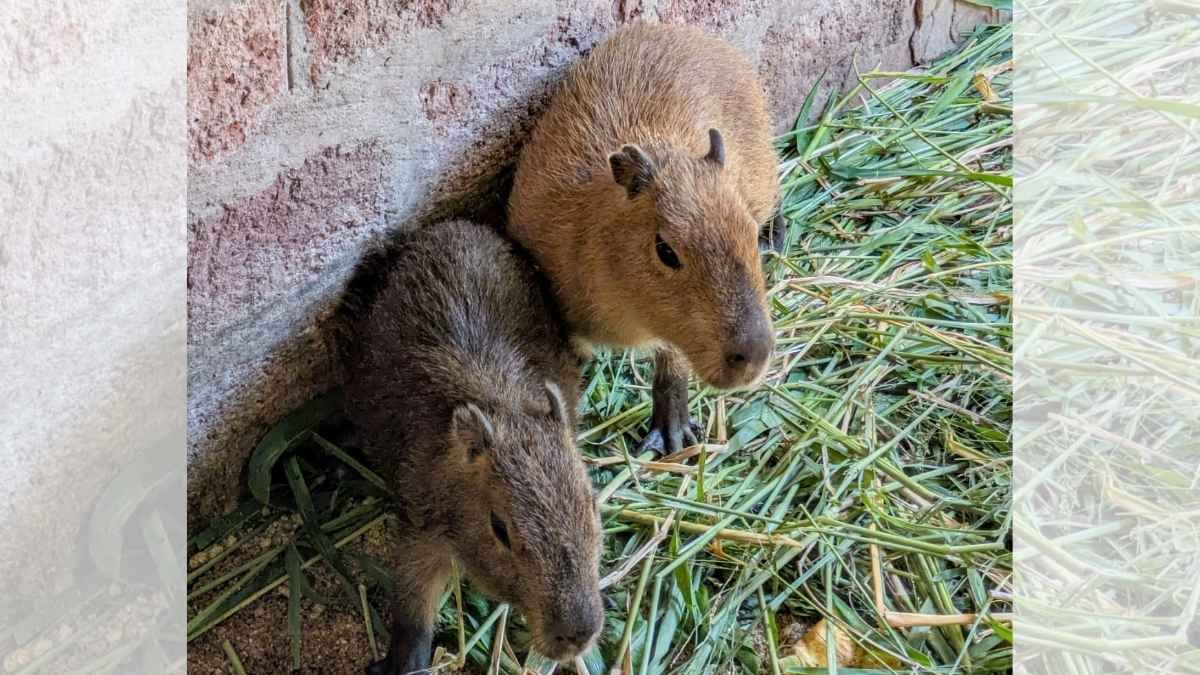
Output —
<point x="93" y="187"/>
<point x="1107" y="351"/>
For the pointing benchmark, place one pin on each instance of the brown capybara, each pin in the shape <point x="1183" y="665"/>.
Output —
<point x="641" y="193"/>
<point x="461" y="385"/>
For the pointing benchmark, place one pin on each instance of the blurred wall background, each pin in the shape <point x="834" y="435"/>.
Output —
<point x="93" y="184"/>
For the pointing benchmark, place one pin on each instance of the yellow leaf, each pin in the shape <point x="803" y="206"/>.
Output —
<point x="810" y="651"/>
<point x="958" y="448"/>
<point x="984" y="87"/>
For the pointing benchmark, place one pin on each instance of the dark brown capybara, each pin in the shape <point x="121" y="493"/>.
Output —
<point x="460" y="383"/>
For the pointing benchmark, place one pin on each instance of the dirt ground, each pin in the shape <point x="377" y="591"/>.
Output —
<point x="335" y="641"/>
<point x="334" y="637"/>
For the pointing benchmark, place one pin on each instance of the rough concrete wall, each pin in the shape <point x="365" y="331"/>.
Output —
<point x="315" y="124"/>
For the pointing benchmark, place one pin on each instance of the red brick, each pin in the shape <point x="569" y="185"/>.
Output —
<point x="262" y="248"/>
<point x="445" y="103"/>
<point x="235" y="68"/>
<point x="339" y="29"/>
<point x="712" y="15"/>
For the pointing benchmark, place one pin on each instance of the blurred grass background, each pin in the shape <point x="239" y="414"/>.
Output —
<point x="1107" y="514"/>
<point x="852" y="514"/>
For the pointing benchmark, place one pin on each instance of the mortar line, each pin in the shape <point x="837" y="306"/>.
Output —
<point x="289" y="67"/>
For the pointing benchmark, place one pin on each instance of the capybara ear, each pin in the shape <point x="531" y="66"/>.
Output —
<point x="558" y="407"/>
<point x="716" y="148"/>
<point x="632" y="169"/>
<point x="473" y="430"/>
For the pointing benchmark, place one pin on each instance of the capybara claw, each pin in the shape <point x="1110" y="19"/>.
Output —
<point x="380" y="667"/>
<point x="670" y="437"/>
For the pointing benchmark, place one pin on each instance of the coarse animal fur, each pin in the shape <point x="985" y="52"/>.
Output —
<point x="461" y="385"/>
<point x="659" y="137"/>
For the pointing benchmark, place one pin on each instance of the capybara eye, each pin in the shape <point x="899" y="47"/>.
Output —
<point x="500" y="531"/>
<point x="666" y="254"/>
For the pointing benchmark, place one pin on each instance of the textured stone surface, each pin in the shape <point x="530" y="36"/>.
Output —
<point x="425" y="104"/>
<point x="798" y="51"/>
<point x="938" y="21"/>
<point x="235" y="67"/>
<point x="713" y="15"/>
<point x="444" y="103"/>
<point x="279" y="237"/>
<point x="338" y="30"/>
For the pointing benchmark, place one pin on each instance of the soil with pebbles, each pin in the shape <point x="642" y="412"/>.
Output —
<point x="333" y="637"/>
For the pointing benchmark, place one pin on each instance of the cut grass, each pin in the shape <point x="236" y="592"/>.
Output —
<point x="867" y="481"/>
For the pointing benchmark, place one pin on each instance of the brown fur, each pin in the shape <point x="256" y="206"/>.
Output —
<point x="659" y="89"/>
<point x="462" y="383"/>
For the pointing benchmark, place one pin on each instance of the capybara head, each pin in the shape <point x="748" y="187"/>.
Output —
<point x="687" y="263"/>
<point x="526" y="527"/>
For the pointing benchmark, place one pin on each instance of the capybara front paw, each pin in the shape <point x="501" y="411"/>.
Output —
<point x="389" y="666"/>
<point x="380" y="667"/>
<point x="670" y="435"/>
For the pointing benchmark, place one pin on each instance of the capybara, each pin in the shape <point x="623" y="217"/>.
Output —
<point x="460" y="384"/>
<point x="641" y="194"/>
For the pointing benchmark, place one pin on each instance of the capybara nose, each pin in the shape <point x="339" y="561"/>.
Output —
<point x="747" y="353"/>
<point x="574" y="637"/>
<point x="573" y="633"/>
